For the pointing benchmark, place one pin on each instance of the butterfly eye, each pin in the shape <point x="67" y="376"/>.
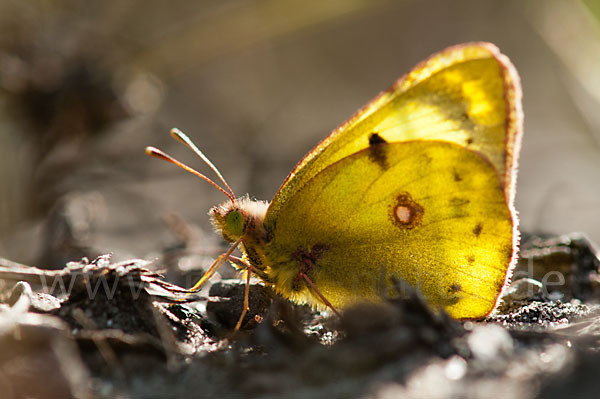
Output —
<point x="234" y="223"/>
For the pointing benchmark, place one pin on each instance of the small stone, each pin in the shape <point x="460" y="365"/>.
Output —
<point x="523" y="289"/>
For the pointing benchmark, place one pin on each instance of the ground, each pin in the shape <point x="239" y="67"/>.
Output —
<point x="102" y="329"/>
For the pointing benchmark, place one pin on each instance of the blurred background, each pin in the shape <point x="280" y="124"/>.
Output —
<point x="85" y="86"/>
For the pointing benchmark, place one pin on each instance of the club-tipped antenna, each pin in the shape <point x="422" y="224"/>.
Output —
<point x="182" y="137"/>
<point x="156" y="153"/>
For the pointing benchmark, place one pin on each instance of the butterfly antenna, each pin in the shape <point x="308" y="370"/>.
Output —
<point x="156" y="153"/>
<point x="182" y="137"/>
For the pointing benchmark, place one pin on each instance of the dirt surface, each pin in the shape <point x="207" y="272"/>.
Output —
<point x="104" y="330"/>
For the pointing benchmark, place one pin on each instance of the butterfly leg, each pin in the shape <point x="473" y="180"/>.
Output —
<point x="307" y="260"/>
<point x="246" y="306"/>
<point x="249" y="270"/>
<point x="215" y="266"/>
<point x="303" y="276"/>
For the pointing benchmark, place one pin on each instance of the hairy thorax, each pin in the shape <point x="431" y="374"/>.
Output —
<point x="244" y="219"/>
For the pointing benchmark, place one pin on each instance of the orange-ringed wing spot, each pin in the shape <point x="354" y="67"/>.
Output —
<point x="477" y="230"/>
<point x="406" y="212"/>
<point x="307" y="260"/>
<point x="378" y="150"/>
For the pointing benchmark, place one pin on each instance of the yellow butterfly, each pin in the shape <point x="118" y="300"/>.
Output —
<point x="418" y="185"/>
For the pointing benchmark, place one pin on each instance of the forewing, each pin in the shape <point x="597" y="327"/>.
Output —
<point x="468" y="94"/>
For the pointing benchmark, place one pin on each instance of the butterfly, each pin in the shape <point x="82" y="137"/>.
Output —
<point x="417" y="186"/>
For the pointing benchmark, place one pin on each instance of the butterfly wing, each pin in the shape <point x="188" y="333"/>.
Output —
<point x="430" y="213"/>
<point x="467" y="94"/>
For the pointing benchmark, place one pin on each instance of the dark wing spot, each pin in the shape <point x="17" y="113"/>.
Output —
<point x="375" y="138"/>
<point x="309" y="257"/>
<point x="477" y="229"/>
<point x="454" y="288"/>
<point x="378" y="150"/>
<point x="425" y="159"/>
<point x="318" y="250"/>
<point x="457" y="176"/>
<point x="454" y="201"/>
<point x="459" y="207"/>
<point x="500" y="286"/>
<point x="509" y="251"/>
<point x="471" y="259"/>
<point x="469" y="141"/>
